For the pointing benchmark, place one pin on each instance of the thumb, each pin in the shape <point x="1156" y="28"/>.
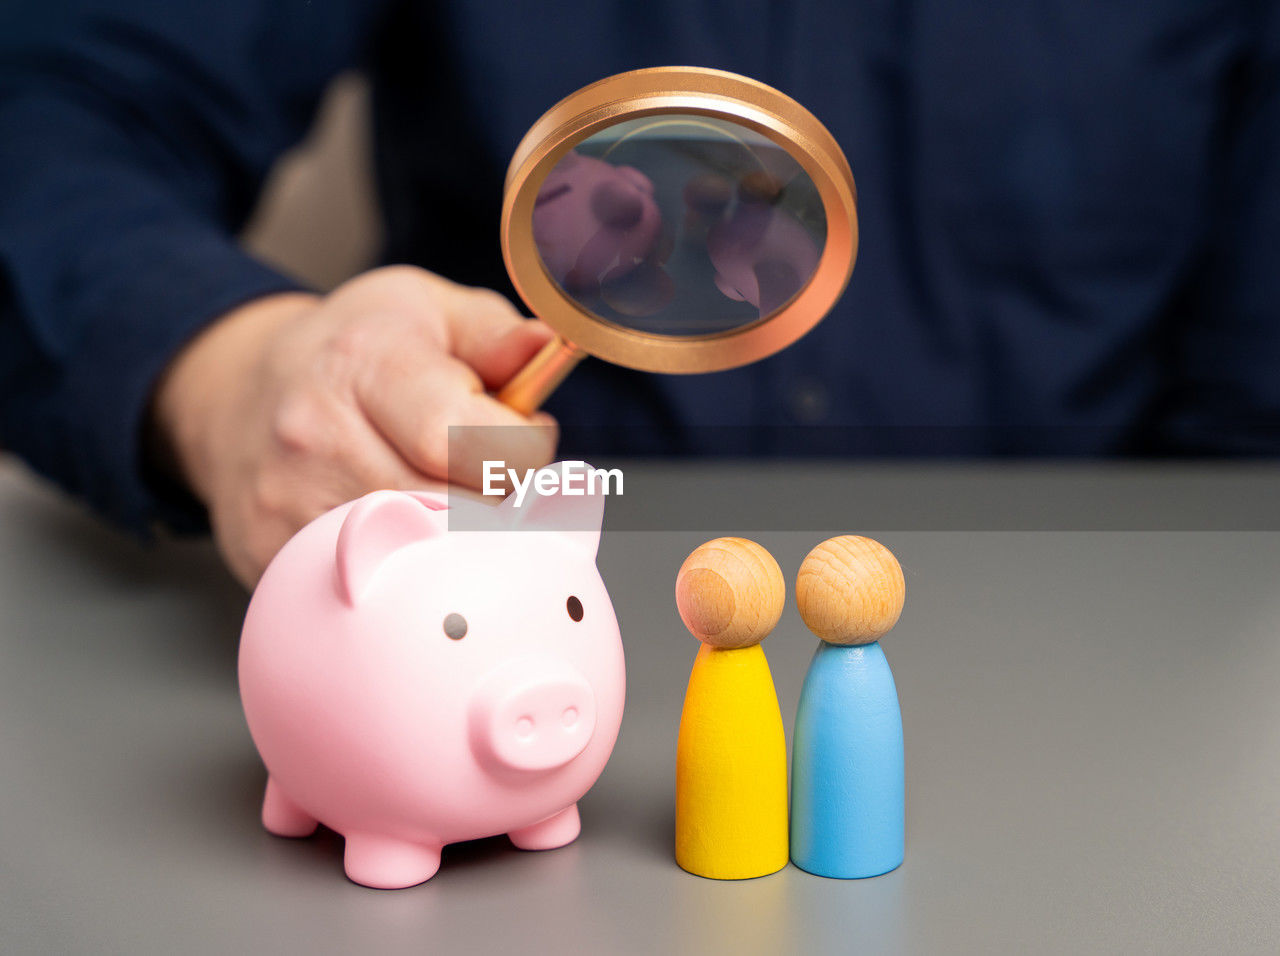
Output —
<point x="489" y="335"/>
<point x="497" y="362"/>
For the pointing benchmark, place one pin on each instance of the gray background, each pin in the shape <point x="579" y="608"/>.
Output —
<point x="1092" y="726"/>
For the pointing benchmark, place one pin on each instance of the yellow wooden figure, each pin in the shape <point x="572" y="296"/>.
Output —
<point x="731" y="759"/>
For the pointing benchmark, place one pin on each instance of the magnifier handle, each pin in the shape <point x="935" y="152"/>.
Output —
<point x="533" y="384"/>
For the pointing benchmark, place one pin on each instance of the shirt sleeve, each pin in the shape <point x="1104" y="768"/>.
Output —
<point x="134" y="137"/>
<point x="1225" y="394"/>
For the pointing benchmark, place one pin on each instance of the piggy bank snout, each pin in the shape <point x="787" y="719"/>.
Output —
<point x="533" y="716"/>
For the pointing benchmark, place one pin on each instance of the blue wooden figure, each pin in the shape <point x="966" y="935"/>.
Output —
<point x="847" y="780"/>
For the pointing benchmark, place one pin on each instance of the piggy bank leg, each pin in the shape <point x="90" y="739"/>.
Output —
<point x="282" y="816"/>
<point x="386" y="863"/>
<point x="557" y="830"/>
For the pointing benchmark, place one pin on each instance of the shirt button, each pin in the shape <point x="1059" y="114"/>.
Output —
<point x="809" y="401"/>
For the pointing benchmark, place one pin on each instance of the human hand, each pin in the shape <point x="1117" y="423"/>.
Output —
<point x="295" y="403"/>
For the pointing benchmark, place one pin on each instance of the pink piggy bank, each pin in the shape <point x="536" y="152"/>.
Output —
<point x="594" y="222"/>
<point x="761" y="253"/>
<point x="410" y="686"/>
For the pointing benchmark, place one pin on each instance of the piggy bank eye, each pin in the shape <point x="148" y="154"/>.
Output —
<point x="574" y="607"/>
<point x="455" y="627"/>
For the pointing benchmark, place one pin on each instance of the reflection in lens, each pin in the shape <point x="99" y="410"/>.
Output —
<point x="645" y="290"/>
<point x="708" y="195"/>
<point x="679" y="225"/>
<point x="761" y="254"/>
<point x="593" y="222"/>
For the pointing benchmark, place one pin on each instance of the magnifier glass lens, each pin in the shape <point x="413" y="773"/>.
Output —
<point x="679" y="225"/>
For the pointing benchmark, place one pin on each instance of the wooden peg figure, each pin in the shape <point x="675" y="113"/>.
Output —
<point x="847" y="774"/>
<point x="731" y="758"/>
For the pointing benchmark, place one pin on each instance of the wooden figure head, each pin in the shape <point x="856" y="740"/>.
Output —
<point x="730" y="593"/>
<point x="850" y="590"/>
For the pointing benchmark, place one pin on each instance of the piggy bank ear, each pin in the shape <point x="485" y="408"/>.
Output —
<point x="574" y="508"/>
<point x="431" y="500"/>
<point x="378" y="525"/>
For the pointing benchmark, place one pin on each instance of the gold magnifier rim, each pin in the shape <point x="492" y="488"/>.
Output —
<point x="688" y="91"/>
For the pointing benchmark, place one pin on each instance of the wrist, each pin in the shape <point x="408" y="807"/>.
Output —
<point x="193" y="396"/>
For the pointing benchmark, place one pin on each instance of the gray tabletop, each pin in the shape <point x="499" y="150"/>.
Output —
<point x="1092" y="723"/>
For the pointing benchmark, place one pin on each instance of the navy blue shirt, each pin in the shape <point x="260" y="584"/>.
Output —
<point x="1070" y="212"/>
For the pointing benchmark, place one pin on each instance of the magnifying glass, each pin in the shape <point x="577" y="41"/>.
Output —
<point x="674" y="219"/>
